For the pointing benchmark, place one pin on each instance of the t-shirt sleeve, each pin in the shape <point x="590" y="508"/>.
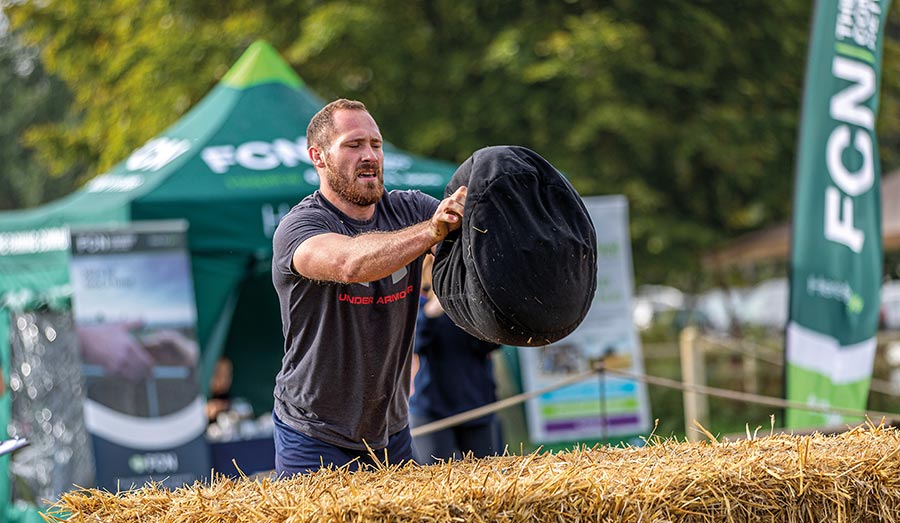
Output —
<point x="293" y="230"/>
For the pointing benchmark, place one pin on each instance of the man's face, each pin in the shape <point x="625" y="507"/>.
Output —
<point x="354" y="161"/>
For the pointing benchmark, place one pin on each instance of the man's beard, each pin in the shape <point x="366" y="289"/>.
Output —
<point x="367" y="193"/>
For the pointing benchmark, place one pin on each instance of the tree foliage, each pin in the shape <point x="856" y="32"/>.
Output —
<point x="30" y="98"/>
<point x="689" y="108"/>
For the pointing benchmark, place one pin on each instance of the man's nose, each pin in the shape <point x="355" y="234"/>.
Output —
<point x="369" y="153"/>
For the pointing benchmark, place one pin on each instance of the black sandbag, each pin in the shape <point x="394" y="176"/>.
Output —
<point x="522" y="268"/>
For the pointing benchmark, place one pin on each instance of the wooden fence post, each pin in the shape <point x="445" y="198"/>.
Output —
<point x="693" y="372"/>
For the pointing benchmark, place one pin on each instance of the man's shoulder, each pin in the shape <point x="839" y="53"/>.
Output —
<point x="310" y="210"/>
<point x="310" y="201"/>
<point x="311" y="205"/>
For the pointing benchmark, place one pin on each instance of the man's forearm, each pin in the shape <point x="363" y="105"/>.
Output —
<point x="375" y="255"/>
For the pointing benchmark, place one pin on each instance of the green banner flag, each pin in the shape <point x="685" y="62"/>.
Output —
<point x="836" y="258"/>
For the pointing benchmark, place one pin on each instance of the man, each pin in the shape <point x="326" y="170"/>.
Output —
<point x="347" y="268"/>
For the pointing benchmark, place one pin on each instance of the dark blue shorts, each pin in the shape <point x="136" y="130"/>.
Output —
<point x="299" y="453"/>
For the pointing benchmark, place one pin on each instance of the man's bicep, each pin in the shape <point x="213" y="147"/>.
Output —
<point x="320" y="257"/>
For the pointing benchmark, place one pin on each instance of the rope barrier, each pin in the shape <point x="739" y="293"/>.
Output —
<point x="457" y="419"/>
<point x="490" y="408"/>
<point x="876" y="385"/>
<point x="752" y="398"/>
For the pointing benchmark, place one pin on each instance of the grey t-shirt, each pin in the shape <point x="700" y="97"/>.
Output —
<point x="345" y="374"/>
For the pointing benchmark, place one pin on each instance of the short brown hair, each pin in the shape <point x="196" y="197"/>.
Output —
<point x="320" y="131"/>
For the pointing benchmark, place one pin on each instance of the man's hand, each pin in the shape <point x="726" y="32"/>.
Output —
<point x="115" y="348"/>
<point x="170" y="347"/>
<point x="448" y="216"/>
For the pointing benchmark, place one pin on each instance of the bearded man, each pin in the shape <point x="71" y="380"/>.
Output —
<point x="347" y="266"/>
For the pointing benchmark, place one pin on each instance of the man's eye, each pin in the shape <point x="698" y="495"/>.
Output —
<point x="376" y="145"/>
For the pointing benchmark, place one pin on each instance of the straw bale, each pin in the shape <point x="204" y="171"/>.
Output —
<point x="848" y="477"/>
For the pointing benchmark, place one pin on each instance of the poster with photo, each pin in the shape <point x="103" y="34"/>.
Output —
<point x="135" y="317"/>
<point x="601" y="407"/>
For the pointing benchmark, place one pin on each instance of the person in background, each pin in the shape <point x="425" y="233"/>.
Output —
<point x="346" y="267"/>
<point x="454" y="375"/>
<point x="220" y="389"/>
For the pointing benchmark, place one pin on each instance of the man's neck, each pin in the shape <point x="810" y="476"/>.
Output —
<point x="357" y="212"/>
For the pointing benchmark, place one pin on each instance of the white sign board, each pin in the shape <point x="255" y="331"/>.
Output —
<point x="606" y="406"/>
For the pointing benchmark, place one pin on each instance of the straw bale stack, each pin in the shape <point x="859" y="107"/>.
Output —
<point x="849" y="477"/>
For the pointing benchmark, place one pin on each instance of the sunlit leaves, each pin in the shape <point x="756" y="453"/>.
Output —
<point x="690" y="109"/>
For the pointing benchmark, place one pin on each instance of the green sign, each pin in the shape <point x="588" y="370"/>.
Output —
<point x="837" y="256"/>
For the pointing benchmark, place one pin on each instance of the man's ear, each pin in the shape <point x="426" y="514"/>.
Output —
<point x="316" y="156"/>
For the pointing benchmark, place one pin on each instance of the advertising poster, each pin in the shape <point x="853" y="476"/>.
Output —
<point x="135" y="318"/>
<point x="836" y="246"/>
<point x="606" y="406"/>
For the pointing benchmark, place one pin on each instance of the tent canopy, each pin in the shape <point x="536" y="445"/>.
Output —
<point x="231" y="167"/>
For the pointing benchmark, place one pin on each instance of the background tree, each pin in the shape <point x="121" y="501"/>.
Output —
<point x="689" y="108"/>
<point x="30" y="98"/>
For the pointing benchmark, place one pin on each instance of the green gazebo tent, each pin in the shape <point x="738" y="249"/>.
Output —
<point x="230" y="167"/>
